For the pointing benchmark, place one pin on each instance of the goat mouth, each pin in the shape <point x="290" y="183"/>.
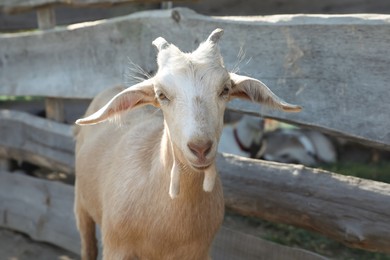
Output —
<point x="201" y="167"/>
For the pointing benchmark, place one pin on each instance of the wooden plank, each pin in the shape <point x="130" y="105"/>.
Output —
<point x="36" y="140"/>
<point x="40" y="208"/>
<point x="233" y="245"/>
<point x="312" y="60"/>
<point x="167" y="5"/>
<point x="5" y="164"/>
<point x="350" y="210"/>
<point x="70" y="15"/>
<point x="267" y="7"/>
<point x="50" y="218"/>
<point x="55" y="109"/>
<point x="46" y="18"/>
<point x="15" y="6"/>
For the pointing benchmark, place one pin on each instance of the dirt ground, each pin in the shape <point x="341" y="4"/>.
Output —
<point x="15" y="246"/>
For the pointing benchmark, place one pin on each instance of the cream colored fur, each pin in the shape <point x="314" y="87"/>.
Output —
<point x="124" y="190"/>
<point x="150" y="181"/>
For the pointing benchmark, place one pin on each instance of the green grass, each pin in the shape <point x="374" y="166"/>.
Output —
<point x="292" y="236"/>
<point x="19" y="98"/>
<point x="373" y="171"/>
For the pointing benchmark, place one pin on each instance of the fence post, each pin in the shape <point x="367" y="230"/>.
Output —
<point x="46" y="18"/>
<point x="54" y="107"/>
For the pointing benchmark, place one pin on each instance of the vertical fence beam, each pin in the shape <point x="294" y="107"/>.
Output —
<point x="55" y="109"/>
<point x="5" y="164"/>
<point x="46" y="18"/>
<point x="166" y="5"/>
<point x="54" y="106"/>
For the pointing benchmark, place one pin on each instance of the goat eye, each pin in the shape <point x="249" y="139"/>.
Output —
<point x="161" y="96"/>
<point x="225" y="92"/>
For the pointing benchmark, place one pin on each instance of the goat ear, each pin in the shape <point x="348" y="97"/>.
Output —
<point x="160" y="43"/>
<point x="256" y="91"/>
<point x="132" y="97"/>
<point x="215" y="35"/>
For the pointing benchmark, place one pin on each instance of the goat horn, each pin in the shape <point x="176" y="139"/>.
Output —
<point x="160" y="43"/>
<point x="215" y="35"/>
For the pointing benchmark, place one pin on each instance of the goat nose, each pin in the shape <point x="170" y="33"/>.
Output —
<point x="200" y="149"/>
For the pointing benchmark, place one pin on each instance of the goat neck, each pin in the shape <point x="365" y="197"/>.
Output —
<point x="180" y="173"/>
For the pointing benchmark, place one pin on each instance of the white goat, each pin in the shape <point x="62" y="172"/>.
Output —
<point x="247" y="138"/>
<point x="307" y="147"/>
<point x="123" y="173"/>
<point x="244" y="138"/>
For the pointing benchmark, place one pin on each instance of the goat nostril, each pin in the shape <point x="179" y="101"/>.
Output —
<point x="193" y="150"/>
<point x="200" y="150"/>
<point x="208" y="148"/>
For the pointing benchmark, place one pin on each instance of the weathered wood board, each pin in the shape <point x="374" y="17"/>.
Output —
<point x="40" y="208"/>
<point x="233" y="245"/>
<point x="69" y="15"/>
<point x="44" y="210"/>
<point x="15" y="6"/>
<point x="36" y="140"/>
<point x="336" y="67"/>
<point x="351" y="210"/>
<point x="266" y="7"/>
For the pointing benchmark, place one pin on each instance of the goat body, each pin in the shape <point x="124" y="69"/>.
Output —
<point x="124" y="172"/>
<point x="124" y="187"/>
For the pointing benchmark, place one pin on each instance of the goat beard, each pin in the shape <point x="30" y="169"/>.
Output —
<point x="209" y="178"/>
<point x="210" y="175"/>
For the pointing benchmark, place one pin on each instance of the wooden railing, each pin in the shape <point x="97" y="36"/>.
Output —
<point x="336" y="67"/>
<point x="16" y="6"/>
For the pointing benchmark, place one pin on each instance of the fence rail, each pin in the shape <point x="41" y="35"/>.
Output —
<point x="50" y="219"/>
<point x="16" y="6"/>
<point x="348" y="209"/>
<point x="336" y="67"/>
<point x="36" y="140"/>
<point x="335" y="72"/>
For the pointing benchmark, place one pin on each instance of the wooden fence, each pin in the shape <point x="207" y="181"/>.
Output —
<point x="336" y="67"/>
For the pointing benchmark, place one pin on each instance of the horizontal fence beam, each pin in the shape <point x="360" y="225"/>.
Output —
<point x="36" y="140"/>
<point x="334" y="66"/>
<point x="50" y="219"/>
<point x="17" y="6"/>
<point x="40" y="208"/>
<point x="351" y="210"/>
